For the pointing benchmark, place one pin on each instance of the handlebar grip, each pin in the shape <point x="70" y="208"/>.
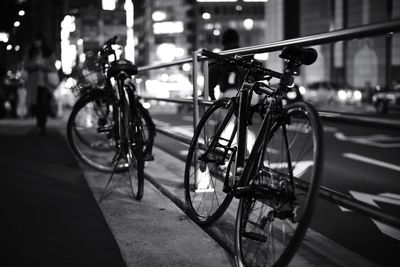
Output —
<point x="230" y="60"/>
<point x="213" y="55"/>
<point x="275" y="74"/>
<point x="111" y="41"/>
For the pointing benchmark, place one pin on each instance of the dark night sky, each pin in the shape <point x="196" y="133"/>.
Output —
<point x="9" y="13"/>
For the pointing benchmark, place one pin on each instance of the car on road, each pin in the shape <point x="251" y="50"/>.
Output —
<point x="330" y="93"/>
<point x="387" y="99"/>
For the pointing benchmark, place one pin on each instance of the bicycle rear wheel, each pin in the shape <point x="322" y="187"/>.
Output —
<point x="271" y="226"/>
<point x="205" y="177"/>
<point x="92" y="132"/>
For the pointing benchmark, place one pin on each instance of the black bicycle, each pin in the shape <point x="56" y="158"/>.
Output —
<point x="276" y="181"/>
<point x="108" y="128"/>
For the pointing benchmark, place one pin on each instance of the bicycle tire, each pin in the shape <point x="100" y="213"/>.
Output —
<point x="258" y="218"/>
<point x="135" y="145"/>
<point x="96" y="150"/>
<point x="206" y="205"/>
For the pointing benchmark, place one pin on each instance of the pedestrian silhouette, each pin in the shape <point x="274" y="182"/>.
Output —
<point x="226" y="76"/>
<point x="39" y="63"/>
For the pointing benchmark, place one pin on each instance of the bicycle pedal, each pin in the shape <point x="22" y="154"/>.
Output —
<point x="255" y="236"/>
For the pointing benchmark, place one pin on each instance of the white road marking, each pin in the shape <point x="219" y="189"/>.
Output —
<point x="372" y="161"/>
<point x="187" y="118"/>
<point x="370" y="199"/>
<point x="161" y="123"/>
<point x="376" y="140"/>
<point x="183" y="130"/>
<point x="330" y="129"/>
<point x="183" y="152"/>
<point x="300" y="167"/>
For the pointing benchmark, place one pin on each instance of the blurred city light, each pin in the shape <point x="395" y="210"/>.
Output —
<point x="186" y="67"/>
<point x="17" y="23"/>
<point x="164" y="77"/>
<point x="9" y="47"/>
<point x="4" y="37"/>
<point x="255" y="0"/>
<point x="239" y="8"/>
<point x="302" y="90"/>
<point x="206" y="15"/>
<point x="164" y="52"/>
<point x="82" y="58"/>
<point x="108" y="4"/>
<point x="168" y="27"/>
<point x="21" y="13"/>
<point x="261" y="56"/>
<point x="58" y="64"/>
<point x="216" y="32"/>
<point x="167" y="52"/>
<point x="357" y="95"/>
<point x="17" y="48"/>
<point x="130" y="42"/>
<point x="200" y="1"/>
<point x="209" y="26"/>
<point x="159" y="15"/>
<point x="200" y="81"/>
<point x="68" y="51"/>
<point x="248" y="24"/>
<point x="342" y="95"/>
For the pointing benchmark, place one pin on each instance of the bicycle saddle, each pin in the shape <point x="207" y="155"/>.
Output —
<point x="306" y="56"/>
<point x="121" y="65"/>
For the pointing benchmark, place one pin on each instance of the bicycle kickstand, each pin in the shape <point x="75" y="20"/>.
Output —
<point x="116" y="159"/>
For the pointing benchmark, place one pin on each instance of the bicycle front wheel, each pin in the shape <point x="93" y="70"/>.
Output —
<point x="208" y="168"/>
<point x="271" y="226"/>
<point x="92" y="131"/>
<point x="134" y="136"/>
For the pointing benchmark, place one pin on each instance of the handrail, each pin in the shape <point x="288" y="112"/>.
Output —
<point x="165" y="65"/>
<point x="340" y="35"/>
<point x="317" y="39"/>
<point x="323" y="38"/>
<point x="178" y="100"/>
<point x="361" y="120"/>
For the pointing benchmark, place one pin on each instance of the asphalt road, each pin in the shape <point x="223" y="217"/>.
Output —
<point x="359" y="161"/>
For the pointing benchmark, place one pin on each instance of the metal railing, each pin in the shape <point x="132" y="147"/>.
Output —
<point x="325" y="38"/>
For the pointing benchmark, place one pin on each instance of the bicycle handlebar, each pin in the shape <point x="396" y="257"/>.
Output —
<point x="107" y="49"/>
<point x="244" y="64"/>
<point x="111" y="41"/>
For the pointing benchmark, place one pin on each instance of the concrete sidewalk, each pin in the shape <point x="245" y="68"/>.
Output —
<point x="52" y="218"/>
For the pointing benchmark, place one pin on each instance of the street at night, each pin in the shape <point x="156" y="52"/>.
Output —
<point x="116" y="122"/>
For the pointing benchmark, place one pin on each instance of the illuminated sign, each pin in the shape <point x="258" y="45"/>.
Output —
<point x="168" y="27"/>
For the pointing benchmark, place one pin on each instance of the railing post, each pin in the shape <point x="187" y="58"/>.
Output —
<point x="195" y="75"/>
<point x="205" y="73"/>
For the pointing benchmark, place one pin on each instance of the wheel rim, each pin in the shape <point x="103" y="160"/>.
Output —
<point x="270" y="229"/>
<point x="133" y="171"/>
<point x="204" y="181"/>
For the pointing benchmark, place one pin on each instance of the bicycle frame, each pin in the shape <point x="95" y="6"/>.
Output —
<point x="245" y="168"/>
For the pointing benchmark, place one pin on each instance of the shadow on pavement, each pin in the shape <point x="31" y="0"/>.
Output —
<point x="49" y="216"/>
